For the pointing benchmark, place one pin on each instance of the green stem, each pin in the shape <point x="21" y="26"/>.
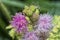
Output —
<point x="5" y="11"/>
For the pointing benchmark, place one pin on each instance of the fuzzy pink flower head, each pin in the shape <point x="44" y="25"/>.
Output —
<point x="30" y="36"/>
<point x="45" y="22"/>
<point x="19" y="22"/>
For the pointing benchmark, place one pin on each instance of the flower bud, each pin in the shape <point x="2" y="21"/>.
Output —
<point x="35" y="15"/>
<point x="29" y="10"/>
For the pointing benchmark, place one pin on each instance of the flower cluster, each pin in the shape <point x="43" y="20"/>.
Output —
<point x="43" y="24"/>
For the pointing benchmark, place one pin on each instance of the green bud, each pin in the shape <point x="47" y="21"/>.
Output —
<point x="30" y="27"/>
<point x="35" y="15"/>
<point x="32" y="8"/>
<point x="29" y="10"/>
<point x="37" y="11"/>
<point x="25" y="9"/>
<point x="29" y="13"/>
<point x="28" y="19"/>
<point x="12" y="33"/>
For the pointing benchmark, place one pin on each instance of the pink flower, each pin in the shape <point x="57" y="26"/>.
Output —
<point x="44" y="26"/>
<point x="45" y="22"/>
<point x="30" y="36"/>
<point x="19" y="22"/>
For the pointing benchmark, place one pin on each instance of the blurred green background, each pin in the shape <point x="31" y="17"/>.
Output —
<point x="10" y="7"/>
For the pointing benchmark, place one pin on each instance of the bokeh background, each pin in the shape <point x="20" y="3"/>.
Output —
<point x="10" y="7"/>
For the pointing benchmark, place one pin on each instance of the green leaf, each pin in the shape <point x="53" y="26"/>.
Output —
<point x="57" y="11"/>
<point x="12" y="33"/>
<point x="5" y="11"/>
<point x="13" y="3"/>
<point x="9" y="27"/>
